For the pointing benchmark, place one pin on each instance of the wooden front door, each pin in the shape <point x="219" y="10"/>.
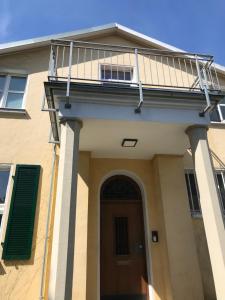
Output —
<point x="123" y="263"/>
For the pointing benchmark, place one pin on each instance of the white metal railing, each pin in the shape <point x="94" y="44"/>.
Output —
<point x="76" y="61"/>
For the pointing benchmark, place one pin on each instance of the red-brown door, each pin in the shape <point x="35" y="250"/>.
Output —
<point x="123" y="263"/>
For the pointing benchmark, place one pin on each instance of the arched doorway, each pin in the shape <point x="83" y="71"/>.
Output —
<point x="123" y="274"/>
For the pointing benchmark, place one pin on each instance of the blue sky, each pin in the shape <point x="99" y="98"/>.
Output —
<point x="194" y="25"/>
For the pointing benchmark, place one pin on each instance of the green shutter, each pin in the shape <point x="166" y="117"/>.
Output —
<point x="19" y="232"/>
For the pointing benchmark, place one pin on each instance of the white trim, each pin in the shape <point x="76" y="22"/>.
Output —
<point x="133" y="73"/>
<point x="137" y="179"/>
<point x="25" y="91"/>
<point x="19" y="72"/>
<point x="6" y="91"/>
<point x="11" y="169"/>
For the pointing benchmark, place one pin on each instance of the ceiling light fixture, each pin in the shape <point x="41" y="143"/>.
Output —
<point x="129" y="143"/>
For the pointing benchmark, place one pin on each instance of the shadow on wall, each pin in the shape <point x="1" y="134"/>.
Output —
<point x="2" y="270"/>
<point x="51" y="227"/>
<point x="217" y="159"/>
<point x="9" y="114"/>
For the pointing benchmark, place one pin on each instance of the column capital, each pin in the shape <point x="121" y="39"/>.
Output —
<point x="197" y="131"/>
<point x="68" y="120"/>
<point x="196" y="127"/>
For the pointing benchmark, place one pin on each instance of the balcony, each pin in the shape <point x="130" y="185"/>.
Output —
<point x="135" y="80"/>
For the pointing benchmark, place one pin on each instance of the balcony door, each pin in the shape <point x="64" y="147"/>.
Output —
<point x="123" y="260"/>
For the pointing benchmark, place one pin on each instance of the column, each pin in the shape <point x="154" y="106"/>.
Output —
<point x="210" y="205"/>
<point x="81" y="249"/>
<point x="62" y="260"/>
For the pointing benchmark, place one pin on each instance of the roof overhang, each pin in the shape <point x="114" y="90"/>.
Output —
<point x="88" y="33"/>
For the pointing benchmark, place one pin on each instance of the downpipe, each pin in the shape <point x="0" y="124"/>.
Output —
<point x="41" y="294"/>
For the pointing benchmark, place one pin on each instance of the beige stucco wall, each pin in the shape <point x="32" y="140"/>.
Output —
<point x="25" y="140"/>
<point x="169" y="273"/>
<point x="100" y="169"/>
<point x="182" y="255"/>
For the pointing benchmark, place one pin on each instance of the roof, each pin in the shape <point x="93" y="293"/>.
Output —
<point x="89" y="32"/>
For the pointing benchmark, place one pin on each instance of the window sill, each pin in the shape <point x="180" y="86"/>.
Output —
<point x="13" y="112"/>
<point x="217" y="124"/>
<point x="196" y="215"/>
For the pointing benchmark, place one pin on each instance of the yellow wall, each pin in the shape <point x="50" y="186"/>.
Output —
<point x="100" y="168"/>
<point x="163" y="267"/>
<point x="25" y="140"/>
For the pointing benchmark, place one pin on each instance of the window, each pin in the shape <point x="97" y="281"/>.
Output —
<point x="12" y="89"/>
<point x="121" y="236"/>
<point x="193" y="195"/>
<point x="220" y="176"/>
<point x="4" y="179"/>
<point x="117" y="73"/>
<point x="218" y="114"/>
<point x="120" y="187"/>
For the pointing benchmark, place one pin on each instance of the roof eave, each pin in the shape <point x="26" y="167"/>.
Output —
<point x="88" y="32"/>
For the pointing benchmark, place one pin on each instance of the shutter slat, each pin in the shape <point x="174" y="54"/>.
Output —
<point x="19" y="232"/>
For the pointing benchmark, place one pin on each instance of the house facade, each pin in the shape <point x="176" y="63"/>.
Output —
<point x="112" y="169"/>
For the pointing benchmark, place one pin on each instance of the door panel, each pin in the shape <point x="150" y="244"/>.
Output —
<point x="123" y="265"/>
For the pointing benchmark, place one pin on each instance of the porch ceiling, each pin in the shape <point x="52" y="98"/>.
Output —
<point x="104" y="137"/>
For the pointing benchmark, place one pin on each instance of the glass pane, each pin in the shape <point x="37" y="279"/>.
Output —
<point x="189" y="192"/>
<point x="2" y="82"/>
<point x="14" y="100"/>
<point x="121" y="75"/>
<point x="223" y="111"/>
<point x="194" y="192"/>
<point x="127" y="75"/>
<point x="17" y="83"/>
<point x="120" y="187"/>
<point x="102" y="74"/>
<point x="107" y="74"/>
<point x="214" y="116"/>
<point x="121" y="236"/>
<point x="4" y="178"/>
<point x="114" y="75"/>
<point x="221" y="189"/>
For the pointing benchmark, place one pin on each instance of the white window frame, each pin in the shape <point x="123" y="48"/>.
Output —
<point x="216" y="171"/>
<point x="5" y="91"/>
<point x="120" y="68"/>
<point x="3" y="207"/>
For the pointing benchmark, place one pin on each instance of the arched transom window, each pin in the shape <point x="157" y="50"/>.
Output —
<point x="120" y="187"/>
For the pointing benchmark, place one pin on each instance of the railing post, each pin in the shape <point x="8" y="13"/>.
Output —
<point x="204" y="87"/>
<point x="138" y="109"/>
<point x="67" y="104"/>
<point x="52" y="63"/>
